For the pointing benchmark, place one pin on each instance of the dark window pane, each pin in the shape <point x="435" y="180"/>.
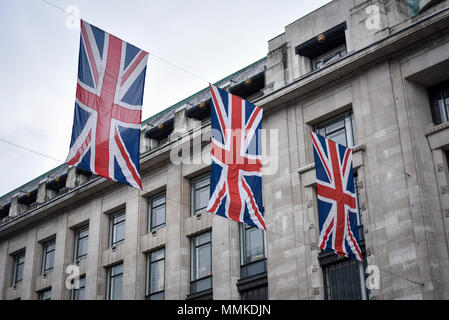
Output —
<point x="116" y="270"/>
<point x="116" y="286"/>
<point x="339" y="129"/>
<point x="255" y="244"/>
<point x="157" y="255"/>
<point x="344" y="281"/>
<point x="118" y="232"/>
<point x="259" y="293"/>
<point x="45" y="295"/>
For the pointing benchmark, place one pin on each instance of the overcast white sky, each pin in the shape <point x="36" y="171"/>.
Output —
<point x="39" y="61"/>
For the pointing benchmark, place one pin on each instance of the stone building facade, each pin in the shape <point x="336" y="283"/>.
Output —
<point x="369" y="74"/>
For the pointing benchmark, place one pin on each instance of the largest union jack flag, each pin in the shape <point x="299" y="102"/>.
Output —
<point x="337" y="205"/>
<point x="236" y="169"/>
<point x="108" y="107"/>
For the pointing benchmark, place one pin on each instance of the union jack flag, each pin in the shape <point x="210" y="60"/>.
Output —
<point x="337" y="205"/>
<point x="236" y="169"/>
<point x="108" y="107"/>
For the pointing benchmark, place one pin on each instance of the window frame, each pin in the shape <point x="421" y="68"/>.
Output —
<point x="150" y="217"/>
<point x="349" y="127"/>
<point x="328" y="57"/>
<point x="16" y="265"/>
<point x="113" y="225"/>
<point x="45" y="254"/>
<point x="193" y="190"/>
<point x="194" y="278"/>
<point x="75" y="292"/>
<point x="244" y="228"/>
<point x="78" y="231"/>
<point x="110" y="278"/>
<point x="150" y="264"/>
<point x="439" y="102"/>
<point x="345" y="262"/>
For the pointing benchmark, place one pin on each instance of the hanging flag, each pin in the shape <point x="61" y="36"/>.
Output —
<point x="337" y="205"/>
<point x="236" y="168"/>
<point x="108" y="107"/>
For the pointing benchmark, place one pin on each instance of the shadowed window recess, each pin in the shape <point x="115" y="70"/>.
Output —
<point x="201" y="267"/>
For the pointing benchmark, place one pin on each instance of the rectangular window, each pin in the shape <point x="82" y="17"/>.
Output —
<point x="115" y="282"/>
<point x="339" y="129"/>
<point x="201" y="262"/>
<point x="252" y="244"/>
<point x="117" y="228"/>
<point x="345" y="280"/>
<point x="155" y="275"/>
<point x="81" y="240"/>
<point x="439" y="102"/>
<point x="19" y="264"/>
<point x="199" y="193"/>
<point x="48" y="256"/>
<point x="156" y="212"/>
<point x="45" y="294"/>
<point x="79" y="294"/>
